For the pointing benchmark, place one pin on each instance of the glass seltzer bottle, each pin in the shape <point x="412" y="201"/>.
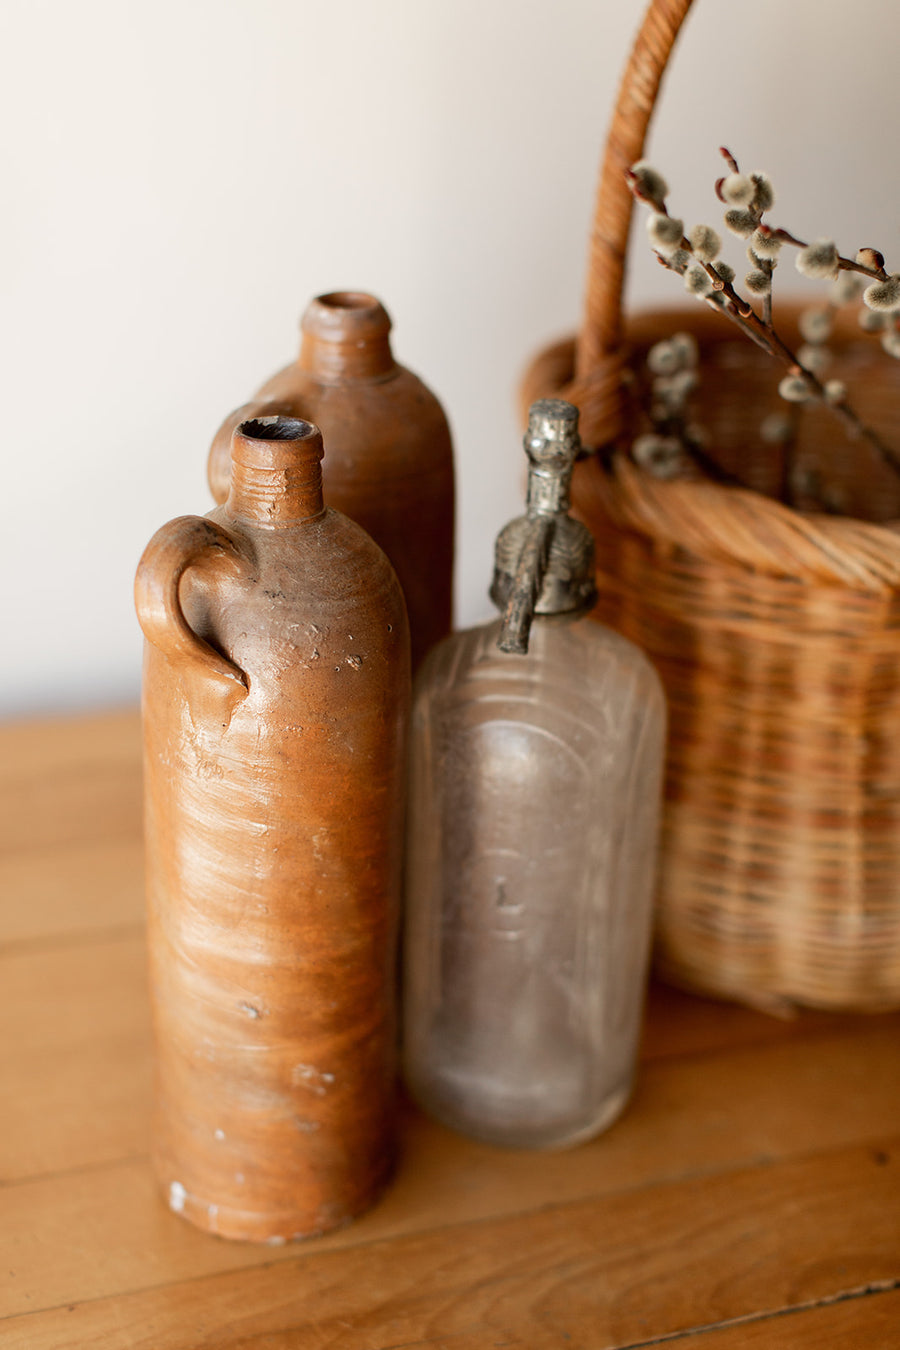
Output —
<point x="537" y="750"/>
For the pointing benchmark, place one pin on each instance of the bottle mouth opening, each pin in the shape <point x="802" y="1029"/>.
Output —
<point x="277" y="429"/>
<point x="348" y="300"/>
<point x="347" y="318"/>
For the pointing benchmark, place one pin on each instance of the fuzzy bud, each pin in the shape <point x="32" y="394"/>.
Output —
<point x="696" y="281"/>
<point x="807" y="481"/>
<point x="741" y="223"/>
<point x="890" y="341"/>
<point x="760" y="283"/>
<point x="662" y="456"/>
<point x="674" y="389"/>
<point x="678" y="260"/>
<point x="835" y="391"/>
<point x="737" y="189"/>
<point x="872" y="321"/>
<point x="814" y="357"/>
<point x="705" y="242"/>
<point x="725" y="271"/>
<point x="834" y="498"/>
<point x="794" y="388"/>
<point x="665" y="232"/>
<point x="764" y="193"/>
<point x="663" y="358"/>
<point x="870" y="257"/>
<point x="818" y="260"/>
<point x="765" y="245"/>
<point x="847" y="288"/>
<point x="776" y="429"/>
<point x="884" y="295"/>
<point x="815" y="325"/>
<point x="686" y="346"/>
<point x="650" y="184"/>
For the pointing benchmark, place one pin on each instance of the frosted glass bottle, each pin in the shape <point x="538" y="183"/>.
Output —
<point x="532" y="827"/>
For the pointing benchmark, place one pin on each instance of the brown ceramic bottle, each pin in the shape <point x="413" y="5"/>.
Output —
<point x="276" y="688"/>
<point x="390" y="460"/>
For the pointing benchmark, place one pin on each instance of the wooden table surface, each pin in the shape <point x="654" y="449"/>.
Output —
<point x="748" y="1197"/>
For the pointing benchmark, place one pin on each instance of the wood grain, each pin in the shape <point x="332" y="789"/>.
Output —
<point x="865" y="1322"/>
<point x="690" y="1118"/>
<point x="82" y="1060"/>
<point x="750" y="1178"/>
<point x="679" y="1023"/>
<point x="75" y="1040"/>
<point x="70" y="783"/>
<point x="39" y="748"/>
<point x="645" y="1264"/>
<point x="71" y="892"/>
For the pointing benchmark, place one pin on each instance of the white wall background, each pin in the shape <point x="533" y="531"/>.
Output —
<point x="181" y="176"/>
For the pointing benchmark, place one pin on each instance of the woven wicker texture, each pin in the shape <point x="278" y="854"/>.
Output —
<point x="776" y="632"/>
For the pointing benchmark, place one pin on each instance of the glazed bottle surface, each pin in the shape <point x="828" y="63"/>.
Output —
<point x="533" y="816"/>
<point x="390" y="460"/>
<point x="275" y="696"/>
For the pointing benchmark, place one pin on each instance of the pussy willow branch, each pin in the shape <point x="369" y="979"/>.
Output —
<point x="764" y="334"/>
<point x="876" y="271"/>
<point x="879" y="273"/>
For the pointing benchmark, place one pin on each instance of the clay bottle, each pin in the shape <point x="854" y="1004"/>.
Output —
<point x="390" y="460"/>
<point x="275" y="696"/>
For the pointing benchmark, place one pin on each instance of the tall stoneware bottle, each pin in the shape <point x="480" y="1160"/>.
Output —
<point x="276" y="685"/>
<point x="390" y="459"/>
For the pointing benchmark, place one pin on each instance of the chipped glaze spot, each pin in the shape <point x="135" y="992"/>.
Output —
<point x="308" y="1076"/>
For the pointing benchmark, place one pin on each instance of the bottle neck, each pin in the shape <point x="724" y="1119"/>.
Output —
<point x="548" y="490"/>
<point x="346" y="336"/>
<point x="276" y="472"/>
<point x="543" y="561"/>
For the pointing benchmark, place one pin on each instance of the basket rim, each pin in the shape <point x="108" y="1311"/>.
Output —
<point x="743" y="527"/>
<point x="734" y="525"/>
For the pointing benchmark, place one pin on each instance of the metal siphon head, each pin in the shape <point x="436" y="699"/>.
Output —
<point x="544" y="561"/>
<point x="551" y="444"/>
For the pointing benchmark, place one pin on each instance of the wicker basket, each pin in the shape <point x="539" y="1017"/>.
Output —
<point x="776" y="632"/>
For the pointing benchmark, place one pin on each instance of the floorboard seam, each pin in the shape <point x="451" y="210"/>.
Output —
<point x="303" y="1250"/>
<point x="875" y="1287"/>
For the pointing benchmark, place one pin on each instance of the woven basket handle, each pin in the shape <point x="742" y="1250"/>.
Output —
<point x="598" y="360"/>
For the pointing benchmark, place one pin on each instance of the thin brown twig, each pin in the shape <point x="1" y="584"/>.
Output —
<point x="843" y="264"/>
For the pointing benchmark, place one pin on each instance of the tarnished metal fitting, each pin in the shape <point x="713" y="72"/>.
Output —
<point x="544" y="560"/>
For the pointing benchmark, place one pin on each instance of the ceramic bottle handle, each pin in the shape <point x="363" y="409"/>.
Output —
<point x="171" y="551"/>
